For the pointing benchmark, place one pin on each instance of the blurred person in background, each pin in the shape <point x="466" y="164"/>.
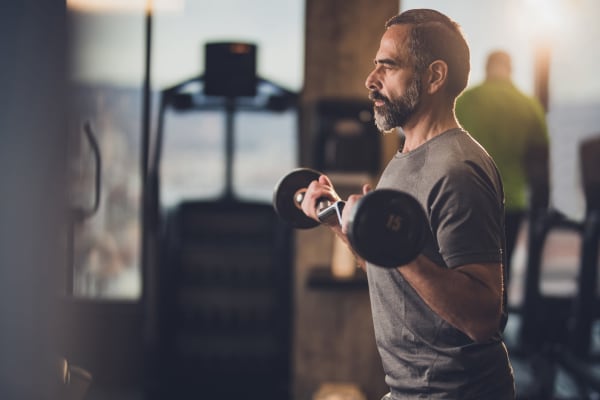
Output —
<point x="512" y="127"/>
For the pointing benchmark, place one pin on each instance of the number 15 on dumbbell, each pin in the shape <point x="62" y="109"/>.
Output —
<point x="386" y="227"/>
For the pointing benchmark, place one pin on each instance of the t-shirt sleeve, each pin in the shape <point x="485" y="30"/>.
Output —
<point x="466" y="216"/>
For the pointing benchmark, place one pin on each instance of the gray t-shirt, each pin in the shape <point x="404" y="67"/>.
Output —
<point x="423" y="356"/>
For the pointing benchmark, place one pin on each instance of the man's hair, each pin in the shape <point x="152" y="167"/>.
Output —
<point x="434" y="36"/>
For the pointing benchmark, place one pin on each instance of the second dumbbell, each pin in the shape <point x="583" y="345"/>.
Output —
<point x="386" y="227"/>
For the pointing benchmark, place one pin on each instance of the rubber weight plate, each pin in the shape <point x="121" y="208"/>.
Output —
<point x="288" y="191"/>
<point x="388" y="228"/>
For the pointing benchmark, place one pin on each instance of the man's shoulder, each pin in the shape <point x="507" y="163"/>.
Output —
<point x="461" y="157"/>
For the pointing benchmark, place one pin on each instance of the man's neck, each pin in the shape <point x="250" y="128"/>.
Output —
<point x="423" y="128"/>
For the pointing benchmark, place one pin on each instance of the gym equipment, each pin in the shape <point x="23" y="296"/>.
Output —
<point x="387" y="227"/>
<point x="224" y="271"/>
<point x="288" y="196"/>
<point x="230" y="69"/>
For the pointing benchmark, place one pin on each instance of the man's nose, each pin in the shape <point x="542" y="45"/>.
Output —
<point x="372" y="83"/>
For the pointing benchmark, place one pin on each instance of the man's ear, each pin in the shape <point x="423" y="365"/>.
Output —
<point x="437" y="76"/>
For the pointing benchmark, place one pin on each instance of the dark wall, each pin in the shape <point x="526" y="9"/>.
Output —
<point x="32" y="199"/>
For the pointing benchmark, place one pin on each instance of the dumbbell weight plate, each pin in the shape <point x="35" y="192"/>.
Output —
<point x="387" y="228"/>
<point x="285" y="197"/>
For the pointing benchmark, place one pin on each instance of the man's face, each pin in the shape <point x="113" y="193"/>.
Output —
<point x="394" y="86"/>
<point x="395" y="112"/>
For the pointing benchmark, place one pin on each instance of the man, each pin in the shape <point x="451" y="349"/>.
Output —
<point x="437" y="319"/>
<point x="512" y="128"/>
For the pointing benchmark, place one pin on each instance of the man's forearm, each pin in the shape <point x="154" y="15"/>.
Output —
<point x="468" y="297"/>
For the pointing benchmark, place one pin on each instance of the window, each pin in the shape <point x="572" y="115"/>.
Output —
<point x="107" y="50"/>
<point x="194" y="157"/>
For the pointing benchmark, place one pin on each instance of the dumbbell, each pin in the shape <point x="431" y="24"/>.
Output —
<point x="386" y="227"/>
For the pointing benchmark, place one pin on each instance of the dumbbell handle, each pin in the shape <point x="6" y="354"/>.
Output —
<point x="330" y="213"/>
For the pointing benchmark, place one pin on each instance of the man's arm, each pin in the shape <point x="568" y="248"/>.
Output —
<point x="468" y="297"/>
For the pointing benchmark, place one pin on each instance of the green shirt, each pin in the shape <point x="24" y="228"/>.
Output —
<point x="506" y="123"/>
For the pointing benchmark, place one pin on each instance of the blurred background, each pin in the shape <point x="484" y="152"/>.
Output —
<point x="138" y="241"/>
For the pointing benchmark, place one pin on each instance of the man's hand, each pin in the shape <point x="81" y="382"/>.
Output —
<point x="341" y="231"/>
<point x="316" y="191"/>
<point x="350" y="204"/>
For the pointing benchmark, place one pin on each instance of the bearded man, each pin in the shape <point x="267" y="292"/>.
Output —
<point x="438" y="319"/>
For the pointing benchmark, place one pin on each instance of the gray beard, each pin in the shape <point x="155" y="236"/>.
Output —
<point x="396" y="113"/>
